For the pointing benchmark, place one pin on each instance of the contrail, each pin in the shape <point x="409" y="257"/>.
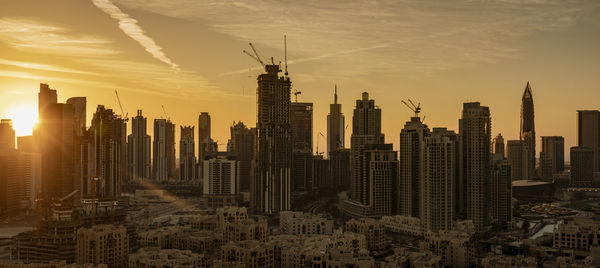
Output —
<point x="131" y="28"/>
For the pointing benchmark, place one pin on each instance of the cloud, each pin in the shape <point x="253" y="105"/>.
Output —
<point x="42" y="67"/>
<point x="390" y="36"/>
<point x="131" y="28"/>
<point x="34" y="36"/>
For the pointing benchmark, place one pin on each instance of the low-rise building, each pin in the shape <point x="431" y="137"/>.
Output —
<point x="453" y="246"/>
<point x="247" y="229"/>
<point x="403" y="224"/>
<point x="296" y="222"/>
<point x="103" y="244"/>
<point x="251" y="253"/>
<point x="372" y="229"/>
<point x="493" y="260"/>
<point x="167" y="258"/>
<point x="230" y="215"/>
<point x="578" y="234"/>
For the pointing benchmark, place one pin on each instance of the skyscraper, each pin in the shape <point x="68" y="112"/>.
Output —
<point x="588" y="134"/>
<point x="437" y="189"/>
<point x="79" y="114"/>
<point x="242" y="144"/>
<point x="335" y="126"/>
<point x="498" y="148"/>
<point x="301" y="127"/>
<point x="55" y="134"/>
<point x="500" y="191"/>
<point x="582" y="166"/>
<point x="163" y="153"/>
<point x="527" y="133"/>
<point x="412" y="167"/>
<point x="475" y="133"/>
<point x="107" y="153"/>
<point x="221" y="175"/>
<point x="374" y="164"/>
<point x="7" y="135"/>
<point x="138" y="152"/>
<point x="553" y="153"/>
<point x="204" y="140"/>
<point x="516" y="152"/>
<point x="187" y="156"/>
<point x="271" y="189"/>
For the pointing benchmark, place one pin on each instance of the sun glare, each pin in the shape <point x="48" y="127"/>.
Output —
<point x="24" y="117"/>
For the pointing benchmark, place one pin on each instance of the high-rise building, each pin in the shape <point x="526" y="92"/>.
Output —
<point x="187" y="154"/>
<point x="107" y="155"/>
<point x="500" y="191"/>
<point x="138" y="148"/>
<point x="475" y="142"/>
<point x="301" y="127"/>
<point x="11" y="185"/>
<point x="320" y="177"/>
<point x="527" y="133"/>
<point x="79" y="114"/>
<point x="271" y="190"/>
<point x="103" y="244"/>
<point x="340" y="168"/>
<point x="242" y="144"/>
<point x="439" y="175"/>
<point x="203" y="138"/>
<point x="221" y="174"/>
<point x="56" y="143"/>
<point x="588" y="133"/>
<point x="582" y="166"/>
<point x="7" y="135"/>
<point x="516" y="152"/>
<point x="498" y="148"/>
<point x="552" y="156"/>
<point x="412" y="167"/>
<point x="374" y="165"/>
<point x="335" y="126"/>
<point x="163" y="153"/>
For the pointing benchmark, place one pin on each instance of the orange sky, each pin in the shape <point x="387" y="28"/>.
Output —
<point x="186" y="55"/>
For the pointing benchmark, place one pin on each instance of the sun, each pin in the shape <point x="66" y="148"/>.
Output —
<point x="24" y="117"/>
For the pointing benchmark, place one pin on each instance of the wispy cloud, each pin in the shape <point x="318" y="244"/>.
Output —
<point x="42" y="67"/>
<point x="361" y="37"/>
<point x="32" y="36"/>
<point x="131" y="28"/>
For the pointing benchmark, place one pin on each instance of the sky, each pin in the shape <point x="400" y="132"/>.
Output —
<point x="186" y="55"/>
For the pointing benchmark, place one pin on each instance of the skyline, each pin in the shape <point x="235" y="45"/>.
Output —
<point x="555" y="53"/>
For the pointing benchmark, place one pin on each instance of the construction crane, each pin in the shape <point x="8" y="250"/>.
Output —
<point x="124" y="115"/>
<point x="415" y="108"/>
<point x="320" y="135"/>
<point x="165" y="112"/>
<point x="285" y="53"/>
<point x="256" y="56"/>
<point x="296" y="93"/>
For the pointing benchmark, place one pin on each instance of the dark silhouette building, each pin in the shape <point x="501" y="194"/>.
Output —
<point x="527" y="133"/>
<point x="187" y="156"/>
<point x="7" y="135"/>
<point x="301" y="124"/>
<point x="582" y="163"/>
<point x="475" y="145"/>
<point x="163" y="153"/>
<point x="107" y="153"/>
<point x="242" y="144"/>
<point x="412" y="167"/>
<point x="552" y="156"/>
<point x="335" y="126"/>
<point x="588" y="133"/>
<point x="271" y="190"/>
<point x="138" y="148"/>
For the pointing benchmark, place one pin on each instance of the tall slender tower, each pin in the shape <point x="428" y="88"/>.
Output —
<point x="272" y="183"/>
<point x="204" y="140"/>
<point x="528" y="129"/>
<point x="163" y="160"/>
<point x="187" y="156"/>
<point x="412" y="167"/>
<point x="335" y="126"/>
<point x="242" y="143"/>
<point x="475" y="134"/>
<point x="588" y="133"/>
<point x="138" y="148"/>
<point x="438" y="190"/>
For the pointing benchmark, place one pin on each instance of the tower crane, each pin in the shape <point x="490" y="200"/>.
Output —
<point x="415" y="108"/>
<point x="256" y="56"/>
<point x="320" y="135"/>
<point x="296" y="93"/>
<point x="124" y="115"/>
<point x="165" y="112"/>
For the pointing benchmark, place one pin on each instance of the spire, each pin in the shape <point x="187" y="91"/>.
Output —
<point x="527" y="92"/>
<point x="335" y="95"/>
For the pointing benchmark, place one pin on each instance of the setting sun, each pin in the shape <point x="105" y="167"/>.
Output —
<point x="24" y="117"/>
